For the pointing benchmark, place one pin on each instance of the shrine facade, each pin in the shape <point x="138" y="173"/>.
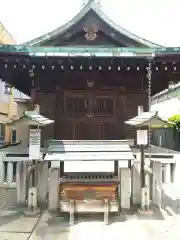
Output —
<point x="89" y="75"/>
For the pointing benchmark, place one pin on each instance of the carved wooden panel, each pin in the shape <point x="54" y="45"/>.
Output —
<point x="88" y="192"/>
<point x="88" y="104"/>
<point x="90" y="114"/>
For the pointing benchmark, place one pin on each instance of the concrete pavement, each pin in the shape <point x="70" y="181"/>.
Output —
<point x="13" y="225"/>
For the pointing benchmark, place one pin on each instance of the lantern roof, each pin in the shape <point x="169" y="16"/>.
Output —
<point x="147" y="119"/>
<point x="32" y="118"/>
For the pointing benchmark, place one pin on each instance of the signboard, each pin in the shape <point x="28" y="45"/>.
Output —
<point x="35" y="144"/>
<point x="142" y="137"/>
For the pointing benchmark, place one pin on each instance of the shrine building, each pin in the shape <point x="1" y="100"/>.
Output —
<point x="89" y="76"/>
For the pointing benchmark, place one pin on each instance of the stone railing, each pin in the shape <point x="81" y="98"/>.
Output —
<point x="8" y="173"/>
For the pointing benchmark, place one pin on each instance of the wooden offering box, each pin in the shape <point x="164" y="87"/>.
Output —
<point x="88" y="192"/>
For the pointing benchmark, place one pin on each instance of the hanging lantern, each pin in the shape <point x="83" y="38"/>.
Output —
<point x="31" y="73"/>
<point x="100" y="68"/>
<point x="7" y="89"/>
<point x="90" y="83"/>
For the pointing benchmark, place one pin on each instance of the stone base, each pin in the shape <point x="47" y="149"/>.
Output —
<point x="148" y="212"/>
<point x="32" y="213"/>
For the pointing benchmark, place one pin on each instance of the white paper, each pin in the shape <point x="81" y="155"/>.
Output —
<point x="34" y="143"/>
<point x="89" y="166"/>
<point x="142" y="137"/>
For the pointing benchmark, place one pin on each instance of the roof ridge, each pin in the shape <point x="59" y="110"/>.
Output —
<point x="91" y="4"/>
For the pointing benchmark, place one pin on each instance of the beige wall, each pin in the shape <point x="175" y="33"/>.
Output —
<point x="4" y="108"/>
<point x="5" y="36"/>
<point x="22" y="131"/>
<point x="17" y="110"/>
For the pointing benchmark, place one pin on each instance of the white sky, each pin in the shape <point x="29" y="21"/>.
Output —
<point x="155" y="20"/>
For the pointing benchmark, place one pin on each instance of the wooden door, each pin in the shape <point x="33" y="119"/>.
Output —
<point x="85" y="112"/>
<point x="87" y="130"/>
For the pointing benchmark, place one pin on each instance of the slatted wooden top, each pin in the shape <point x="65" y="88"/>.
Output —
<point x="88" y="151"/>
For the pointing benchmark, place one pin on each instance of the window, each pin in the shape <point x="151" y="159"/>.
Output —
<point x="94" y="106"/>
<point x="75" y="106"/>
<point x="2" y="132"/>
<point x="13" y="137"/>
<point x="104" y="106"/>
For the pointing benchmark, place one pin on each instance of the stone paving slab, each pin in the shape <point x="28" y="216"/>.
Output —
<point x="17" y="223"/>
<point x="13" y="236"/>
<point x="55" y="228"/>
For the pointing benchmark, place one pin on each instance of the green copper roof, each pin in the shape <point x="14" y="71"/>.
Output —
<point x="32" y="118"/>
<point x="89" y="6"/>
<point x="147" y="119"/>
<point x="85" y="52"/>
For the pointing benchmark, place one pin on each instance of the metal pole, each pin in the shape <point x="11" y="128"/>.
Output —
<point x="149" y="76"/>
<point x="143" y="183"/>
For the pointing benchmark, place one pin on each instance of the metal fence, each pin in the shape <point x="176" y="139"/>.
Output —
<point x="167" y="138"/>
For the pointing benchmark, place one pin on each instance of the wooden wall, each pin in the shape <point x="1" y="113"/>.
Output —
<point x="52" y="105"/>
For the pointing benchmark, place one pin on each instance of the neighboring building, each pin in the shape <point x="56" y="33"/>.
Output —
<point x="5" y="36"/>
<point x="167" y="104"/>
<point x="8" y="108"/>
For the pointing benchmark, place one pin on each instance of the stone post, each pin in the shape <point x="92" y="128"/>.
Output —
<point x="2" y="168"/>
<point x="136" y="183"/>
<point x="157" y="184"/>
<point x="21" y="181"/>
<point x="54" y="189"/>
<point x="42" y="183"/>
<point x="9" y="172"/>
<point x="125" y="188"/>
<point x="167" y="173"/>
<point x="176" y="169"/>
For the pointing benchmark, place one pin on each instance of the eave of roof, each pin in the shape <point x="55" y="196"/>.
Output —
<point x="89" y="6"/>
<point x="32" y="118"/>
<point x="174" y="91"/>
<point x="33" y="51"/>
<point x="147" y="119"/>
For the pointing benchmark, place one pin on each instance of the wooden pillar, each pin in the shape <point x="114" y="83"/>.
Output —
<point x="10" y="106"/>
<point x="33" y="96"/>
